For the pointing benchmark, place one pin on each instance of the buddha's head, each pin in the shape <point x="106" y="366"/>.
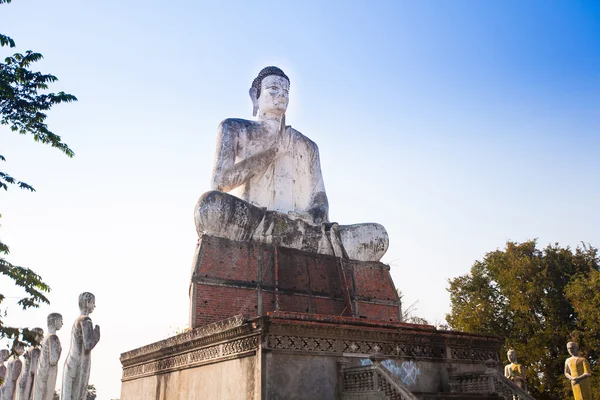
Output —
<point x="270" y="91"/>
<point x="55" y="322"/>
<point x="18" y="348"/>
<point x="4" y="354"/>
<point x="572" y="348"/>
<point x="512" y="356"/>
<point x="87" y="303"/>
<point x="39" y="334"/>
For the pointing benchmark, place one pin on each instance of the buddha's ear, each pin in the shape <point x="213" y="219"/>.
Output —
<point x="254" y="97"/>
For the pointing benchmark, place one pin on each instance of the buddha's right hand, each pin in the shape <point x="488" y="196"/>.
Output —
<point x="283" y="139"/>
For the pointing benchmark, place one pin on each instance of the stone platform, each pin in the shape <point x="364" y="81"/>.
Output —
<point x="252" y="279"/>
<point x="306" y="356"/>
<point x="276" y="323"/>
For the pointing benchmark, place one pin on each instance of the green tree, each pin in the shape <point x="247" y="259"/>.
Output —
<point x="23" y="106"/>
<point x="91" y="393"/>
<point x="584" y="293"/>
<point x="519" y="293"/>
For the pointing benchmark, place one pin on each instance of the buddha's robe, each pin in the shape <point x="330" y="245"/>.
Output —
<point x="76" y="373"/>
<point x="13" y="371"/>
<point x="516" y="374"/>
<point x="278" y="199"/>
<point x="45" y="380"/>
<point x="25" y="383"/>
<point x="577" y="367"/>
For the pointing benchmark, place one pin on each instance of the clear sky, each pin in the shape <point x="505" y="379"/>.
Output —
<point x="458" y="125"/>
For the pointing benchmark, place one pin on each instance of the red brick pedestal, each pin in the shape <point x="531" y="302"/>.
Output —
<point x="231" y="278"/>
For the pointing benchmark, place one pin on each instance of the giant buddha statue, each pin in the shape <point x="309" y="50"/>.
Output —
<point x="268" y="187"/>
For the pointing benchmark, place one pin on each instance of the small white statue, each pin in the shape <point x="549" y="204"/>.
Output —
<point x="13" y="370"/>
<point x="45" y="379"/>
<point x="84" y="337"/>
<point x="4" y="353"/>
<point x="515" y="371"/>
<point x="31" y="357"/>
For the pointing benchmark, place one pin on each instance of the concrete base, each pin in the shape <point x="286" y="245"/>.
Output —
<point x="297" y="356"/>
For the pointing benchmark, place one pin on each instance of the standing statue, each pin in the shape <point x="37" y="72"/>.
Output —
<point x="515" y="372"/>
<point x="268" y="187"/>
<point x="577" y="370"/>
<point x="13" y="370"/>
<point x="31" y="357"/>
<point x="4" y="353"/>
<point x="45" y="380"/>
<point x="84" y="337"/>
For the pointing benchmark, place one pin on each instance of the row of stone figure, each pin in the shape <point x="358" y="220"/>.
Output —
<point x="577" y="371"/>
<point x="34" y="377"/>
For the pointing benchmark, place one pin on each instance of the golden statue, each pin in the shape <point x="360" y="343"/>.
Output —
<point x="515" y="372"/>
<point x="577" y="370"/>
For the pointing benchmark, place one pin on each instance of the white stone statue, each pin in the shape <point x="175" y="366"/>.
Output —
<point x="13" y="371"/>
<point x="45" y="380"/>
<point x="515" y="371"/>
<point x="31" y="357"/>
<point x="267" y="184"/>
<point x="84" y="337"/>
<point x="4" y="354"/>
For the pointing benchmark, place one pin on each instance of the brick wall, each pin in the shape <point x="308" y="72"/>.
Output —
<point x="231" y="278"/>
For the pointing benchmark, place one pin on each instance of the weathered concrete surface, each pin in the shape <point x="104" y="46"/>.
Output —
<point x="14" y="367"/>
<point x="45" y="380"/>
<point x="228" y="380"/>
<point x="299" y="356"/>
<point x="28" y="374"/>
<point x="299" y="377"/>
<point x="84" y="337"/>
<point x="268" y="186"/>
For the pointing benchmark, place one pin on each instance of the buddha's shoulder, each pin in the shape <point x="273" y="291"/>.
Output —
<point x="305" y="140"/>
<point x="236" y="124"/>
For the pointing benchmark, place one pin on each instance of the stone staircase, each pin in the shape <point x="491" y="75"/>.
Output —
<point x="374" y="382"/>
<point x="492" y="381"/>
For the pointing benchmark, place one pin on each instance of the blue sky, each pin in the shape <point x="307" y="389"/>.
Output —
<point x="457" y="125"/>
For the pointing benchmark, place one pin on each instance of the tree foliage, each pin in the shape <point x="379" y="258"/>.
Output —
<point x="91" y="393"/>
<point x="23" y="106"/>
<point x="538" y="300"/>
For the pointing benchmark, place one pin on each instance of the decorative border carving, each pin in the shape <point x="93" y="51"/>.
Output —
<point x="194" y="358"/>
<point x="476" y="354"/>
<point x="338" y="346"/>
<point x="184" y="338"/>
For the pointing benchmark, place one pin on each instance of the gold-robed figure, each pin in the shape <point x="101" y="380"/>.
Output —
<point x="578" y="371"/>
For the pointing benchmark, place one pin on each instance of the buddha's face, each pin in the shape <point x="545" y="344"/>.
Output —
<point x="572" y="349"/>
<point x="39" y="335"/>
<point x="274" y="95"/>
<point x="91" y="305"/>
<point x="19" y="350"/>
<point x="512" y="356"/>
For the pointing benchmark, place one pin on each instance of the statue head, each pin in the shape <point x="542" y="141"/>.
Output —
<point x="39" y="334"/>
<point x="55" y="321"/>
<point x="18" y="348"/>
<point x="4" y="353"/>
<point x="512" y="356"/>
<point x="270" y="91"/>
<point x="572" y="348"/>
<point x="87" y="303"/>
